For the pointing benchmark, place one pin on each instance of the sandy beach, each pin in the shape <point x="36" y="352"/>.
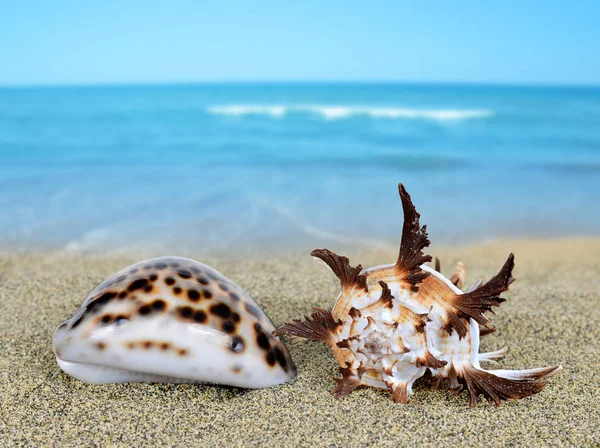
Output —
<point x="551" y="317"/>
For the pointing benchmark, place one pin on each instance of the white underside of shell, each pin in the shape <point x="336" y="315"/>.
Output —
<point x="95" y="374"/>
<point x="207" y="357"/>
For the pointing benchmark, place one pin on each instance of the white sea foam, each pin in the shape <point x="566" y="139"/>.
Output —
<point x="335" y="112"/>
<point x="239" y="110"/>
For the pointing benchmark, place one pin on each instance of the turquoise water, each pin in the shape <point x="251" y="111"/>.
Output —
<point x="278" y="166"/>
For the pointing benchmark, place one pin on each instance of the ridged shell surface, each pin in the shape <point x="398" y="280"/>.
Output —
<point x="392" y="323"/>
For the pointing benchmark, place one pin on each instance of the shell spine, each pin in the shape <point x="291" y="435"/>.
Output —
<point x="392" y="323"/>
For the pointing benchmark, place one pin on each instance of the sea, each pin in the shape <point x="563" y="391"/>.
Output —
<point x="284" y="166"/>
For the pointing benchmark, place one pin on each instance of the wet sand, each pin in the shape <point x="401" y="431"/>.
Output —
<point x="552" y="316"/>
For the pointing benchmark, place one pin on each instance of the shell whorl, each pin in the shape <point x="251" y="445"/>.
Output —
<point x="392" y="323"/>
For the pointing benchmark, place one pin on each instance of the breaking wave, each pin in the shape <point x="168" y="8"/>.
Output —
<point x="333" y="112"/>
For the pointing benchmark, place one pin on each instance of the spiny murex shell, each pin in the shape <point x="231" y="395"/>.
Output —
<point x="171" y="319"/>
<point x="392" y="323"/>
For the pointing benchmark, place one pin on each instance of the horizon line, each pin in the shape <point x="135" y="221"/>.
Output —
<point x="297" y="82"/>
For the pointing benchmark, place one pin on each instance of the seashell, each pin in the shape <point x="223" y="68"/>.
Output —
<point x="392" y="323"/>
<point x="174" y="320"/>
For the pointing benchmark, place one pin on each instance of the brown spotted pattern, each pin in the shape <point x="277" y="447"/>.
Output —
<point x="190" y="292"/>
<point x="163" y="346"/>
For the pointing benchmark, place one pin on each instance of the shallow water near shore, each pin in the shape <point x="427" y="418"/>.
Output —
<point x="280" y="166"/>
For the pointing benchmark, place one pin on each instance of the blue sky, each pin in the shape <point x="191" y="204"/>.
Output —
<point x="81" y="42"/>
